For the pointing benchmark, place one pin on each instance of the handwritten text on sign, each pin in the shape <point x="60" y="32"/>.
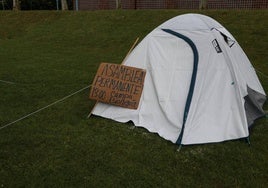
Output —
<point x="118" y="85"/>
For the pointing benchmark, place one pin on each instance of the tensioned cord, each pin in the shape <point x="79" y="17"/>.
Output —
<point x="32" y="113"/>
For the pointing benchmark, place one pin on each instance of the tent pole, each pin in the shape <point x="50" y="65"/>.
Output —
<point x="130" y="50"/>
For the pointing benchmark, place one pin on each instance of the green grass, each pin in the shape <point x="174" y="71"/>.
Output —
<point x="49" y="55"/>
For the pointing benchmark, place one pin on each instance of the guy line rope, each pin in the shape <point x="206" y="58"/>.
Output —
<point x="32" y="113"/>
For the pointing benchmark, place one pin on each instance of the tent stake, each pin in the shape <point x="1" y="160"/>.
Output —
<point x="179" y="149"/>
<point x="248" y="141"/>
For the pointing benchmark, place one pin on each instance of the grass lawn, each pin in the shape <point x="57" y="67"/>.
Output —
<point x="48" y="55"/>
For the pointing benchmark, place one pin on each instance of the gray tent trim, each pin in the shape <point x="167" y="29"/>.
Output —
<point x="254" y="102"/>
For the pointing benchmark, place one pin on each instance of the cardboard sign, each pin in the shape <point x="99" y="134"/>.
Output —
<point x="118" y="85"/>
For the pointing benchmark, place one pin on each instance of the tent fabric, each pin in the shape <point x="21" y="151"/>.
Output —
<point x="253" y="105"/>
<point x="223" y="85"/>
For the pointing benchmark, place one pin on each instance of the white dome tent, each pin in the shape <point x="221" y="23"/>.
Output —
<point x="199" y="87"/>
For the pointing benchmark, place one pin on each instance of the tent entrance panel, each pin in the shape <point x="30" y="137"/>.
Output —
<point x="192" y="81"/>
<point x="169" y="72"/>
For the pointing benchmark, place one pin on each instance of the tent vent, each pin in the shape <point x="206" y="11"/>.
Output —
<point x="230" y="42"/>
